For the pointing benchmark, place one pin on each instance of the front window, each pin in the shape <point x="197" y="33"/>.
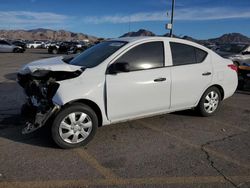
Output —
<point x="145" y="56"/>
<point x="97" y="54"/>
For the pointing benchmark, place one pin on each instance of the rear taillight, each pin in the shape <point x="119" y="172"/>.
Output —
<point x="233" y="67"/>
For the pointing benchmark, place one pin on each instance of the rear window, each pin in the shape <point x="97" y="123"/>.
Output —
<point x="184" y="54"/>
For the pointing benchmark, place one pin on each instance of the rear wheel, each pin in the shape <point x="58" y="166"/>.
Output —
<point x="210" y="102"/>
<point x="74" y="126"/>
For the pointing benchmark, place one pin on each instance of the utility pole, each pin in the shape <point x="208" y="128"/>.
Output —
<point x="172" y="19"/>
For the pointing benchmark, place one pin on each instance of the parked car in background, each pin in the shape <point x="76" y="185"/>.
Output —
<point x="238" y="53"/>
<point x="66" y="47"/>
<point x="120" y="80"/>
<point x="46" y="45"/>
<point x="35" y="44"/>
<point x="213" y="47"/>
<point x="244" y="75"/>
<point x="8" y="47"/>
<point x="20" y="44"/>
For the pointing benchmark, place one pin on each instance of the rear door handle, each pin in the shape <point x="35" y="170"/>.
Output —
<point x="160" y="79"/>
<point x="206" y="73"/>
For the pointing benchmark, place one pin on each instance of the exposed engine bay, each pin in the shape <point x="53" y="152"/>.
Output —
<point x="40" y="86"/>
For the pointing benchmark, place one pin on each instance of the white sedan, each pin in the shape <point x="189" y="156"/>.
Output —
<point x="120" y="80"/>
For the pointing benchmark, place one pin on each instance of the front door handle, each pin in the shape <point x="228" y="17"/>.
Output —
<point x="206" y="73"/>
<point x="160" y="79"/>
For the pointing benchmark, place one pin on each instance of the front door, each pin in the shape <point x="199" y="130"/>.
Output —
<point x="144" y="89"/>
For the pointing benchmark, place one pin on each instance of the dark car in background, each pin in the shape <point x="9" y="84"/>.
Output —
<point x="66" y="47"/>
<point x="8" y="47"/>
<point x="20" y="44"/>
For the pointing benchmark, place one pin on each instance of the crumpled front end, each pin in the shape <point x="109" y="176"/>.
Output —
<point x="40" y="86"/>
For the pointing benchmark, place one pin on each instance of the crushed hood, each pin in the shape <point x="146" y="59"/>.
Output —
<point x="52" y="64"/>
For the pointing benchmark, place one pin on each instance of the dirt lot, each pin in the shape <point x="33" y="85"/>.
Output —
<point x="174" y="150"/>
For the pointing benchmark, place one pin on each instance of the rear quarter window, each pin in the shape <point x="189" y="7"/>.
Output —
<point x="200" y="55"/>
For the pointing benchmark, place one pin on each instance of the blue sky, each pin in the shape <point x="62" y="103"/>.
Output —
<point x="111" y="18"/>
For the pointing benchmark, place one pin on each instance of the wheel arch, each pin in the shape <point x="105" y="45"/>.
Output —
<point x="92" y="105"/>
<point x="219" y="87"/>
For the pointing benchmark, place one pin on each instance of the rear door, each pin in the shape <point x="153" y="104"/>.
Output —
<point x="191" y="74"/>
<point x="145" y="89"/>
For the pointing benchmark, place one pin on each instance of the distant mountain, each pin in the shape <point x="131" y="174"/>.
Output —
<point x="226" y="38"/>
<point x="44" y="34"/>
<point x="231" y="38"/>
<point x="141" y="32"/>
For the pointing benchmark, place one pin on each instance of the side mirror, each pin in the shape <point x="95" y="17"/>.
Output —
<point x="118" y="67"/>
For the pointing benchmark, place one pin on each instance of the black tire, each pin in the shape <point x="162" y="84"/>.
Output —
<point x="32" y="47"/>
<point x="77" y="107"/>
<point x="201" y="106"/>
<point x="15" y="50"/>
<point x="54" y="51"/>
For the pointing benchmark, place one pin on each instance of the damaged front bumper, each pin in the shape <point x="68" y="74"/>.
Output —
<point x="39" y="120"/>
<point x="39" y="107"/>
<point x="40" y="81"/>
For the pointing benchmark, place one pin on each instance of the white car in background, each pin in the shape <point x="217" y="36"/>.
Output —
<point x="120" y="80"/>
<point x="35" y="44"/>
<point x="238" y="53"/>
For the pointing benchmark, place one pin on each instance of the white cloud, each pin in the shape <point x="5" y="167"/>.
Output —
<point x="215" y="13"/>
<point x="27" y="19"/>
<point x="196" y="13"/>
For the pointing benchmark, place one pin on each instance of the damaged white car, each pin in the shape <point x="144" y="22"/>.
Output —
<point x="120" y="80"/>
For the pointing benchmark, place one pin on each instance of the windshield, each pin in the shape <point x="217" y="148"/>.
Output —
<point x="233" y="48"/>
<point x="97" y="54"/>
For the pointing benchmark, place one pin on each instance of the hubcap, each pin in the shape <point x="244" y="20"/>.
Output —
<point x="75" y="127"/>
<point x="211" y="102"/>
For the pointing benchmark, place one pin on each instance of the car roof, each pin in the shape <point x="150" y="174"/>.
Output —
<point x="142" y="38"/>
<point x="148" y="38"/>
<point x="134" y="39"/>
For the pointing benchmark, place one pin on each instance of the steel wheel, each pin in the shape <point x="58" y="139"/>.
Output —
<point x="75" y="127"/>
<point x="211" y="102"/>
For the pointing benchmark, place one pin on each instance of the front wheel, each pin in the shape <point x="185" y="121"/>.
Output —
<point x="210" y="102"/>
<point x="74" y="126"/>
